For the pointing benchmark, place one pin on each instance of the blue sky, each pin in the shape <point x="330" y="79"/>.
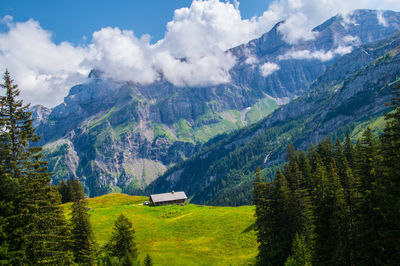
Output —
<point x="75" y="20"/>
<point x="51" y="45"/>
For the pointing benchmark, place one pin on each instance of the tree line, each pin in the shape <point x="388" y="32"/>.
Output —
<point x="336" y="204"/>
<point x="33" y="227"/>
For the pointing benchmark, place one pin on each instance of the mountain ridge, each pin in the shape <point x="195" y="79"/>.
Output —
<point x="334" y="106"/>
<point x="115" y="135"/>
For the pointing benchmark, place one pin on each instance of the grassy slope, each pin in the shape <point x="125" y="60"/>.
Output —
<point x="179" y="235"/>
<point x="376" y="124"/>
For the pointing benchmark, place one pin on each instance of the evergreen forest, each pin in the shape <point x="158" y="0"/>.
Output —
<point x="336" y="204"/>
<point x="33" y="226"/>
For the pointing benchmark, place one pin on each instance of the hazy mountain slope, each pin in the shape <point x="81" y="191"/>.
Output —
<point x="114" y="134"/>
<point x="351" y="91"/>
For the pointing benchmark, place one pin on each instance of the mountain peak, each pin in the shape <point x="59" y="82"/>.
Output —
<point x="96" y="74"/>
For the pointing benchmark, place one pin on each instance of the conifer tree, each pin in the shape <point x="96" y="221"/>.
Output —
<point x="388" y="185"/>
<point x="301" y="253"/>
<point x="148" y="261"/>
<point x="122" y="243"/>
<point x="368" y="168"/>
<point x="349" y="152"/>
<point x="261" y="199"/>
<point x="306" y="169"/>
<point x="281" y="226"/>
<point x="325" y="151"/>
<point x="298" y="174"/>
<point x="351" y="188"/>
<point x="257" y="187"/>
<point x="66" y="190"/>
<point x="34" y="225"/>
<point x="330" y="215"/>
<point x="82" y="233"/>
<point x="6" y="210"/>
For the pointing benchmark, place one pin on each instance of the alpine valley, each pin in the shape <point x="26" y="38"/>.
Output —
<point x="122" y="136"/>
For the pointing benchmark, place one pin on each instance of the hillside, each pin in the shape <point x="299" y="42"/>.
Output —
<point x="350" y="93"/>
<point x="179" y="235"/>
<point x="116" y="135"/>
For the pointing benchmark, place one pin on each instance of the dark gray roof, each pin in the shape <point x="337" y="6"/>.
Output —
<point x="180" y="195"/>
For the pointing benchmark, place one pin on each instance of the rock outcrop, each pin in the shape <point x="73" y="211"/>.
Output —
<point x="115" y="135"/>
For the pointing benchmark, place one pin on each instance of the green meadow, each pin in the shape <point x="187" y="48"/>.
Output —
<point x="179" y="235"/>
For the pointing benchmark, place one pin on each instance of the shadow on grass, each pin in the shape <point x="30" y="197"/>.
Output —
<point x="249" y="228"/>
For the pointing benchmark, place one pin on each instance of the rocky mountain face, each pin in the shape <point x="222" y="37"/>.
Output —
<point x="350" y="93"/>
<point x="114" y="135"/>
<point x="298" y="65"/>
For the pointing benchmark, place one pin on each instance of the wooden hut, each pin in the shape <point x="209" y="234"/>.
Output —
<point x="168" y="198"/>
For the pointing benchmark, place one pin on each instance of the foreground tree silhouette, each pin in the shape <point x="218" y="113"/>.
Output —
<point x="122" y="244"/>
<point x="33" y="228"/>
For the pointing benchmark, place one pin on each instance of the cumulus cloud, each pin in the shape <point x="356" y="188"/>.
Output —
<point x="192" y="52"/>
<point x="268" y="68"/>
<point x="122" y="56"/>
<point x="42" y="69"/>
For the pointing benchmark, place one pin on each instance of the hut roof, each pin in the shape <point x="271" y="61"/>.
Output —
<point x="171" y="196"/>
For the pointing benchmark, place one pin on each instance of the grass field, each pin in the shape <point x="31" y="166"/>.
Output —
<point x="179" y="235"/>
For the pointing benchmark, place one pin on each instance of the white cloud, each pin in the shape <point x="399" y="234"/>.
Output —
<point x="43" y="70"/>
<point x="295" y="29"/>
<point x="303" y="15"/>
<point x="268" y="68"/>
<point x="251" y="60"/>
<point x="122" y="56"/>
<point x="381" y="18"/>
<point x="207" y="70"/>
<point x="318" y="55"/>
<point x="192" y="53"/>
<point x="344" y="46"/>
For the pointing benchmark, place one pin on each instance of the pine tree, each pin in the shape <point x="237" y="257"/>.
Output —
<point x="349" y="152"/>
<point x="257" y="187"/>
<point x="66" y="190"/>
<point x="281" y="226"/>
<point x="369" y="232"/>
<point x="351" y="187"/>
<point x="301" y="253"/>
<point x="330" y="213"/>
<point x="34" y="226"/>
<point x="325" y="151"/>
<point x="261" y="199"/>
<point x="306" y="169"/>
<point x="6" y="210"/>
<point x="122" y="243"/>
<point x="388" y="185"/>
<point x="82" y="233"/>
<point x="45" y="232"/>
<point x="148" y="261"/>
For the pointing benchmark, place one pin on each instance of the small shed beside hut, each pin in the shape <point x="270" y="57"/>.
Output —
<point x="173" y="197"/>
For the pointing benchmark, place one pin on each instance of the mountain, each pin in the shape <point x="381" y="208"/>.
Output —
<point x="116" y="135"/>
<point x="301" y="63"/>
<point x="351" y="93"/>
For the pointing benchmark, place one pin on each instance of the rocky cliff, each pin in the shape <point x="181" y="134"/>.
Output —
<point x="352" y="91"/>
<point x="122" y="135"/>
